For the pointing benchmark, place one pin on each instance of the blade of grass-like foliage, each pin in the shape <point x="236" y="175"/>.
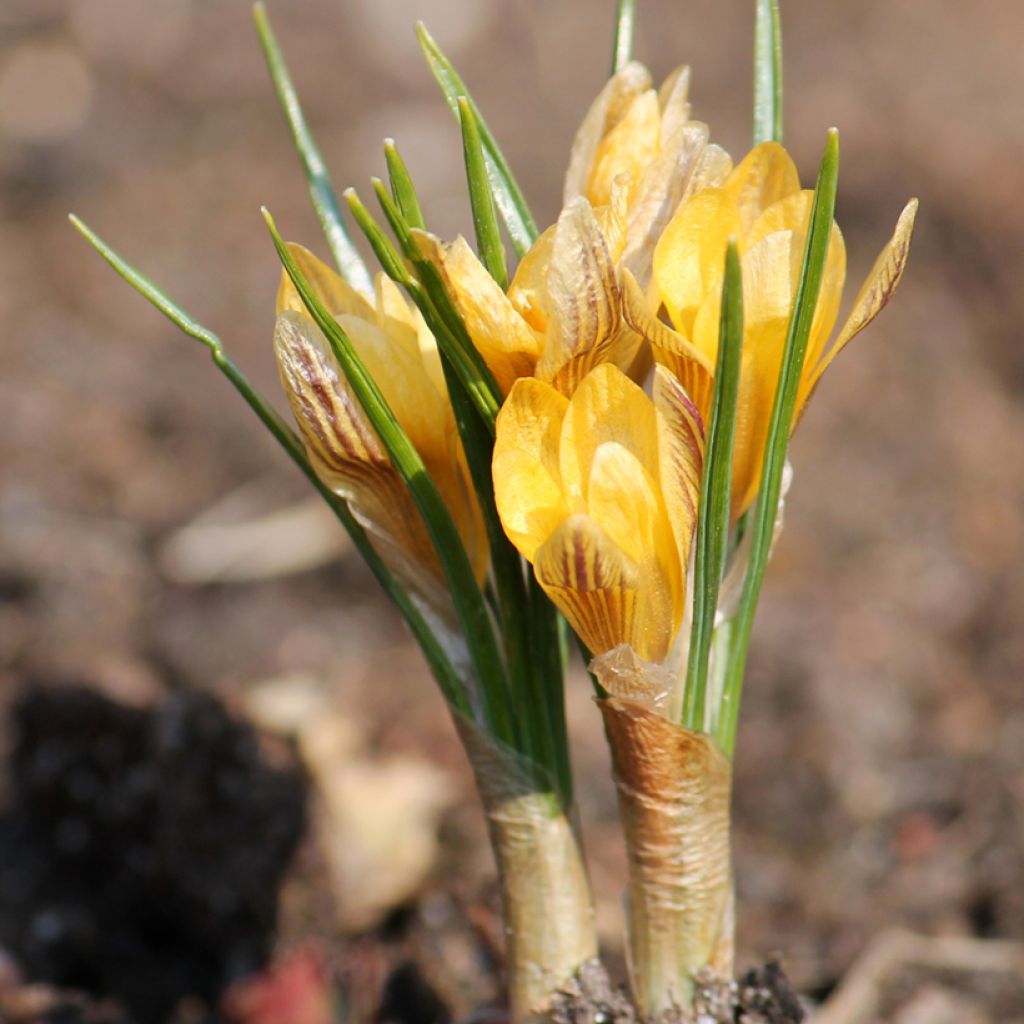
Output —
<point x="466" y="595"/>
<point x="812" y="270"/>
<point x="440" y="665"/>
<point x="534" y="701"/>
<point x="716" y="488"/>
<point x="481" y="199"/>
<point x="522" y="228"/>
<point x="625" y="25"/>
<point x="387" y="255"/>
<point x="321" y="191"/>
<point x="402" y="189"/>
<point x="767" y="72"/>
<point x="548" y="643"/>
<point x="472" y="370"/>
<point x="537" y="680"/>
<point x="539" y="693"/>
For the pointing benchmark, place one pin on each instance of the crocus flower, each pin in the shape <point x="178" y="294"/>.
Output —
<point x="562" y="315"/>
<point x="636" y="156"/>
<point x="762" y="205"/>
<point x="345" y="451"/>
<point x="599" y="491"/>
<point x="642" y="139"/>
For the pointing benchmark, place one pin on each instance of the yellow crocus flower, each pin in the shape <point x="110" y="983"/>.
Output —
<point x="636" y="156"/>
<point x="762" y="205"/>
<point x="642" y="139"/>
<point x="599" y="492"/>
<point x="563" y="312"/>
<point x="345" y="451"/>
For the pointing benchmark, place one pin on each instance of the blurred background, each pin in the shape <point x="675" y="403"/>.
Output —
<point x="880" y="773"/>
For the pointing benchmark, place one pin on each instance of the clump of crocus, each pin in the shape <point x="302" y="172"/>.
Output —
<point x="597" y="444"/>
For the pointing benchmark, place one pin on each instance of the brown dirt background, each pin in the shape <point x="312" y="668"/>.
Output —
<point x="880" y="775"/>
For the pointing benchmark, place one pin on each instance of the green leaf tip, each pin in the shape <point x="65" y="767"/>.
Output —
<point x="321" y="192"/>
<point x="481" y="196"/>
<point x="508" y="196"/>
<point x="147" y="289"/>
<point x="402" y="188"/>
<point x="767" y="72"/>
<point x="625" y="27"/>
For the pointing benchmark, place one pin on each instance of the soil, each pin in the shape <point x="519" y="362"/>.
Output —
<point x="880" y="773"/>
<point x="142" y="852"/>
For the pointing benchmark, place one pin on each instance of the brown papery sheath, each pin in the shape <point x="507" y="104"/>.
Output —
<point x="674" y="788"/>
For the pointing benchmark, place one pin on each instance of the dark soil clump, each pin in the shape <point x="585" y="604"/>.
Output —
<point x="766" y="997"/>
<point x="142" y="851"/>
<point x="762" y="996"/>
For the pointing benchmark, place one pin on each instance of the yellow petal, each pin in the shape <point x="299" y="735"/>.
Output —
<point x="712" y="171"/>
<point x="673" y="99"/>
<point x="691" y="254"/>
<point x="329" y="417"/>
<point x="612" y="218"/>
<point x="328" y="286"/>
<point x="583" y="303"/>
<point x="626" y="149"/>
<point x="400" y="318"/>
<point x="508" y="344"/>
<point x="624" y="501"/>
<point x="397" y="364"/>
<point x="605" y="112"/>
<point x="592" y="583"/>
<point x="687" y="363"/>
<point x="769" y="272"/>
<point x="528" y="289"/>
<point x="874" y="294"/>
<point x="659" y="193"/>
<point x="422" y="411"/>
<point x="607" y="406"/>
<point x="793" y="215"/>
<point x="622" y="498"/>
<point x="346" y="452"/>
<point x="681" y="457"/>
<point x="527" y="479"/>
<point x="765" y="175"/>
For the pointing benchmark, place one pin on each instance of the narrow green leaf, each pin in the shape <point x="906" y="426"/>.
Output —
<point x="535" y="691"/>
<point x="440" y="665"/>
<point x="522" y="228"/>
<point x="321" y="191"/>
<point x="805" y="303"/>
<point x="387" y="255"/>
<point x="467" y="362"/>
<point x="481" y="199"/>
<point x="538" y="742"/>
<point x="716" y="489"/>
<point x="466" y="595"/>
<point x="767" y="72"/>
<point x="625" y="25"/>
<point x="402" y="189"/>
<point x="549" y="648"/>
